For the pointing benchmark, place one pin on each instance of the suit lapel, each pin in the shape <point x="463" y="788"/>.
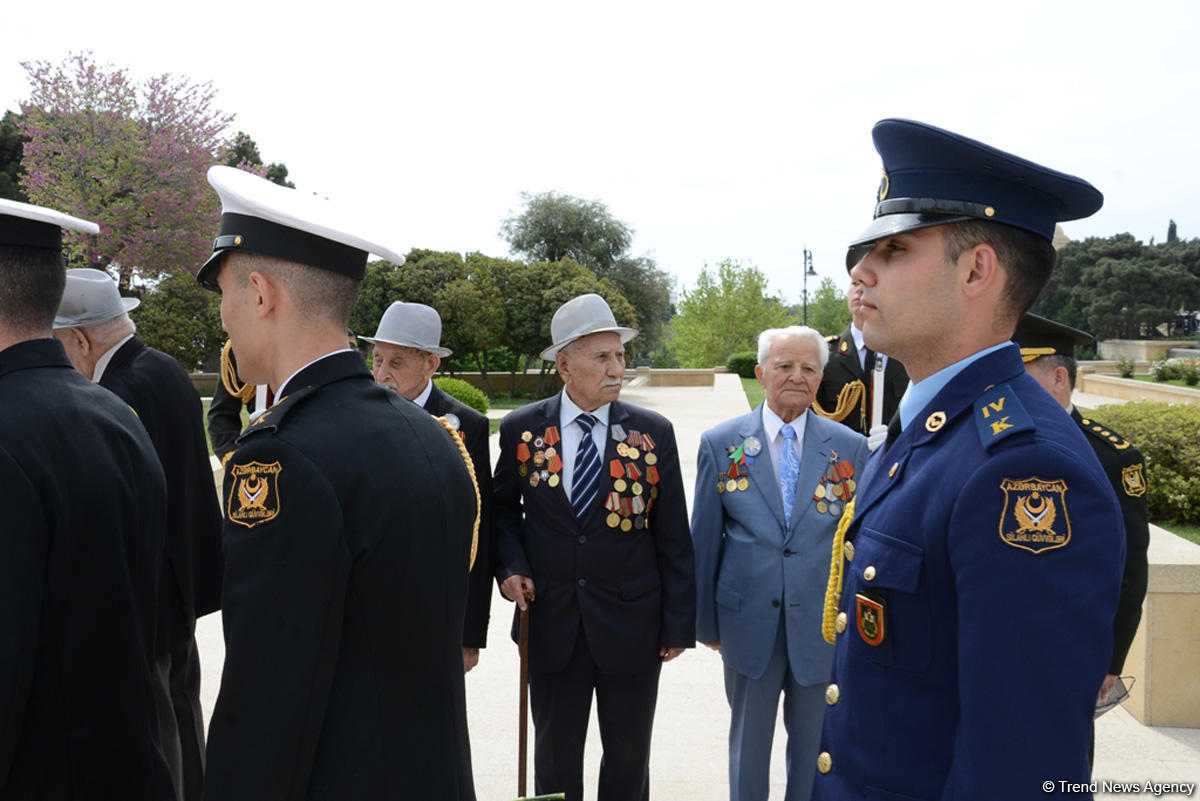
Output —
<point x="813" y="462"/>
<point x="762" y="472"/>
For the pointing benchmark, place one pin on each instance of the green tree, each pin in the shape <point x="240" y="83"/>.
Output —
<point x="827" y="309"/>
<point x="12" y="143"/>
<point x="242" y="152"/>
<point x="181" y="318"/>
<point x="554" y="227"/>
<point x="724" y="314"/>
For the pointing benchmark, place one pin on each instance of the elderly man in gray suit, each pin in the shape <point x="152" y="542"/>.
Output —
<point x="770" y="488"/>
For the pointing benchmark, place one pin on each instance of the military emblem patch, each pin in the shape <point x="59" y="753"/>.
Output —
<point x="869" y="614"/>
<point x="1134" y="480"/>
<point x="254" y="493"/>
<point x="1035" y="514"/>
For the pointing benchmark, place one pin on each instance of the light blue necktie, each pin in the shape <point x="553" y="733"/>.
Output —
<point x="789" y="471"/>
<point x="586" y="478"/>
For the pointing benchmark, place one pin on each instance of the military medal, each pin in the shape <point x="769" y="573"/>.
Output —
<point x="452" y="420"/>
<point x="720" y="487"/>
<point x="553" y="480"/>
<point x="550" y="451"/>
<point x="752" y="446"/>
<point x="637" y="488"/>
<point x="626" y="525"/>
<point x="743" y="483"/>
<point x="651" y="458"/>
<point x="618" y="474"/>
<point x="534" y="478"/>
<point x="822" y="507"/>
<point x="731" y="485"/>
<point x="539" y="443"/>
<point x="613" y="520"/>
<point x="618" y="433"/>
<point x="551" y="436"/>
<point x="622" y="449"/>
<point x="526" y="436"/>
<point x="632" y="453"/>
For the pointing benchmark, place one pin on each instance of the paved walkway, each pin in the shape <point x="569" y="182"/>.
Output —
<point x="689" y="752"/>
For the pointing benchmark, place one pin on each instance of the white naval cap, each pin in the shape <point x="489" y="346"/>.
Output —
<point x="580" y="316"/>
<point x="26" y="225"/>
<point x="262" y="217"/>
<point x="90" y="297"/>
<point x="412" y="325"/>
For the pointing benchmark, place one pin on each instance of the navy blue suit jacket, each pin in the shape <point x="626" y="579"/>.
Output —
<point x="633" y="591"/>
<point x="978" y="608"/>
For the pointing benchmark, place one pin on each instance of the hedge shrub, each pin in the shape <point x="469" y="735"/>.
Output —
<point x="742" y="363"/>
<point x="457" y="388"/>
<point x="1168" y="435"/>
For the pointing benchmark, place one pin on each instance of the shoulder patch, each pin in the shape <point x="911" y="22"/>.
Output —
<point x="271" y="418"/>
<point x="1106" y="435"/>
<point x="1035" y="516"/>
<point x="253" y="493"/>
<point x="999" y="414"/>
<point x="1133" y="479"/>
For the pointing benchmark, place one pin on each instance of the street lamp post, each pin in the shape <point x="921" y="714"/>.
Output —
<point x="808" y="270"/>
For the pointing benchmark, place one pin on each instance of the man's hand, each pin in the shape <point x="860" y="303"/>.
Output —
<point x="715" y="645"/>
<point x="1106" y="688"/>
<point x="518" y="588"/>
<point x="876" y="437"/>
<point x="668" y="654"/>
<point x="470" y="659"/>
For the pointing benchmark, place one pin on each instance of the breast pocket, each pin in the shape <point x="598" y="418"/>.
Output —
<point x="890" y="620"/>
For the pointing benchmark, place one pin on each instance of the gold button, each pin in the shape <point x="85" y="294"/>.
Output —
<point x="824" y="762"/>
<point x="832" y="694"/>
<point x="840" y="625"/>
<point x="869" y="573"/>
<point x="989" y="211"/>
<point x="848" y="549"/>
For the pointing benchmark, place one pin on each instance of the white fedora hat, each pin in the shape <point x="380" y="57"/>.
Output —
<point x="90" y="297"/>
<point x="580" y="316"/>
<point x="413" y="325"/>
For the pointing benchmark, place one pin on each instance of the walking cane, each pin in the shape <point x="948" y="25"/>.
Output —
<point x="523" y="721"/>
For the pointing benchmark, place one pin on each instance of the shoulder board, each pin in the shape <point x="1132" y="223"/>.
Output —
<point x="271" y="418"/>
<point x="998" y="415"/>
<point x="1104" y="434"/>
<point x="831" y="338"/>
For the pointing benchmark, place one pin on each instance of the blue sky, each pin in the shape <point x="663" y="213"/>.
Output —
<point x="717" y="130"/>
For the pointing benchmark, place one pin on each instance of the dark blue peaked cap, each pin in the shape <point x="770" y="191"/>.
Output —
<point x="933" y="177"/>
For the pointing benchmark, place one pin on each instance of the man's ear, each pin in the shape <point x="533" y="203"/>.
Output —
<point x="266" y="293"/>
<point x="81" y="340"/>
<point x="983" y="272"/>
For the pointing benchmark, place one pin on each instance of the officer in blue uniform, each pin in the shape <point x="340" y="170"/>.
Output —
<point x="973" y="587"/>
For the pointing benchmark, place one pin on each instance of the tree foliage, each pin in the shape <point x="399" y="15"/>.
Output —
<point x="12" y="143"/>
<point x="827" y="309"/>
<point x="181" y="318"/>
<point x="242" y="152"/>
<point x="555" y="227"/>
<point x="1117" y="287"/>
<point x="724" y="314"/>
<point x="131" y="156"/>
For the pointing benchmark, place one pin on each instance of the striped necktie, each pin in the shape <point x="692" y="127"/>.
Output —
<point x="586" y="480"/>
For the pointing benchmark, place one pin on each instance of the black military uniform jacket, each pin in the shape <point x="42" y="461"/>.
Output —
<point x="632" y="587"/>
<point x="474" y="429"/>
<point x="161" y="393"/>
<point x="844" y="367"/>
<point x="349" y="513"/>
<point x="1126" y="470"/>
<point x="84" y="517"/>
<point x="225" y="417"/>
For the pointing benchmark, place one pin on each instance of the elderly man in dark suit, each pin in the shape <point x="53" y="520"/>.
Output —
<point x="94" y="326"/>
<point x="80" y="557"/>
<point x="847" y="392"/>
<point x="591" y="522"/>
<point x="408" y="352"/>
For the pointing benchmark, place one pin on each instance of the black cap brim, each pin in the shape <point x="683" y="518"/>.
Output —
<point x="890" y="225"/>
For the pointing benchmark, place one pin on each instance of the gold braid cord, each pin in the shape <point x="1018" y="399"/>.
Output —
<point x="231" y="380"/>
<point x="852" y="394"/>
<point x="833" y="591"/>
<point x="462" y="449"/>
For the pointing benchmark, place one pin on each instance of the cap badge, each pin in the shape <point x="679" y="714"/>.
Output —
<point x="884" y="186"/>
<point x="935" y="421"/>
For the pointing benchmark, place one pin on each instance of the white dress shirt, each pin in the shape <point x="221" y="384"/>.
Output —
<point x="571" y="434"/>
<point x="773" y="425"/>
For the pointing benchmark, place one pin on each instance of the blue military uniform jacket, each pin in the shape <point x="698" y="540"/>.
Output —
<point x="983" y="568"/>
<point x="750" y="567"/>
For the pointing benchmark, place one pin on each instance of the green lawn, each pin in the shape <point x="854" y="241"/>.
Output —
<point x="1187" y="532"/>
<point x="1176" y="382"/>
<point x="754" y="392"/>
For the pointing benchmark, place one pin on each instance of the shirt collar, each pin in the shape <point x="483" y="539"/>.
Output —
<point x="423" y="398"/>
<point x="103" y="361"/>
<point x="568" y="411"/>
<point x="857" y="335"/>
<point x="772" y="423"/>
<point x="920" y="394"/>
<point x="281" y="392"/>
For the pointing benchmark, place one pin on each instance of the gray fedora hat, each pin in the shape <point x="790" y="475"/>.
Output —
<point x="90" y="297"/>
<point x="413" y="325"/>
<point x="580" y="316"/>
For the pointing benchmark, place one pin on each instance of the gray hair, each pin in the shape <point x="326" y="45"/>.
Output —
<point x="768" y="337"/>
<point x="109" y="331"/>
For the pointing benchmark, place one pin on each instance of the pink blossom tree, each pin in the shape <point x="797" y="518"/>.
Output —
<point x="130" y="156"/>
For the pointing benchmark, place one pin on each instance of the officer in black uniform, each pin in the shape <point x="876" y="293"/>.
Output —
<point x="1048" y="349"/>
<point x="844" y="394"/>
<point x="84" y="503"/>
<point x="348" y="532"/>
<point x="225" y="409"/>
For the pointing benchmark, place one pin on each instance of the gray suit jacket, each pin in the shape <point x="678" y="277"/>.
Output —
<point x="750" y="567"/>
